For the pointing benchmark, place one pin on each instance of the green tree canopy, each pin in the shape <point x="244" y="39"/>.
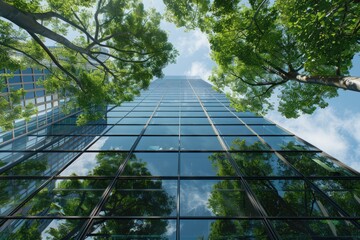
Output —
<point x="300" y="51"/>
<point x="104" y="51"/>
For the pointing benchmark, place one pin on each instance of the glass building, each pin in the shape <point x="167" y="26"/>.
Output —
<point x="176" y="163"/>
<point x="48" y="105"/>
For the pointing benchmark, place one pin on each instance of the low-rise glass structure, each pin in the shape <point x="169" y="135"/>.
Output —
<point x="176" y="163"/>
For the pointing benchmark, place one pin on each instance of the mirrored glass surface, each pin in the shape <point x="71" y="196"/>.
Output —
<point x="222" y="229"/>
<point x="192" y="114"/>
<point x="157" y="120"/>
<point x="96" y="164"/>
<point x="190" y="120"/>
<point x="205" y="164"/>
<point x="162" y="130"/>
<point x="41" y="229"/>
<point x="14" y="191"/>
<point x="116" y="114"/>
<point x="291" y="198"/>
<point x="113" y="143"/>
<point x="68" y="197"/>
<point x="166" y="114"/>
<point x="214" y="198"/>
<point x="269" y="130"/>
<point x="142" y="197"/>
<point x="129" y="120"/>
<point x="315" y="229"/>
<point x="125" y="130"/>
<point x="262" y="164"/>
<point x="39" y="164"/>
<point x="315" y="164"/>
<point x="196" y="130"/>
<point x="220" y="114"/>
<point x="152" y="164"/>
<point x="141" y="229"/>
<point x="287" y="143"/>
<point x="139" y="114"/>
<point x="346" y="193"/>
<point x="161" y="143"/>
<point x="255" y="120"/>
<point x="234" y="130"/>
<point x="200" y="143"/>
<point x="71" y="143"/>
<point x="227" y="120"/>
<point x="245" y="143"/>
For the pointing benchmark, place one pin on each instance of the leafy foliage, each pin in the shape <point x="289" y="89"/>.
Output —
<point x="105" y="51"/>
<point x="300" y="51"/>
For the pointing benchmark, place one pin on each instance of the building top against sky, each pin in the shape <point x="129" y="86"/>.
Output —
<point x="176" y="163"/>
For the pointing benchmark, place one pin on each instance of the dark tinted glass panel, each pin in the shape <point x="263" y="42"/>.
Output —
<point x="222" y="229"/>
<point x="245" y="143"/>
<point x="14" y="191"/>
<point x="345" y="193"/>
<point x="262" y="164"/>
<point x="192" y="114"/>
<point x="96" y="164"/>
<point x="40" y="164"/>
<point x="142" y="229"/>
<point x="152" y="164"/>
<point x="255" y="121"/>
<point x="315" y="164"/>
<point x="220" y="114"/>
<point x="287" y="143"/>
<point x="128" y="120"/>
<point x="199" y="120"/>
<point x="200" y="143"/>
<point x="315" y="229"/>
<point x="142" y="198"/>
<point x="291" y="198"/>
<point x="214" y="197"/>
<point x="113" y="143"/>
<point x="205" y="164"/>
<point x="160" y="143"/>
<point x="66" y="198"/>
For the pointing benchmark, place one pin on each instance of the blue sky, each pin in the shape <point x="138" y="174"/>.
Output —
<point x="335" y="129"/>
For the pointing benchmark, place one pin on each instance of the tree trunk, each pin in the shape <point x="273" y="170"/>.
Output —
<point x="27" y="22"/>
<point x="347" y="83"/>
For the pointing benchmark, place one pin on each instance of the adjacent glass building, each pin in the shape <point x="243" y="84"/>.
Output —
<point x="48" y="105"/>
<point x="176" y="163"/>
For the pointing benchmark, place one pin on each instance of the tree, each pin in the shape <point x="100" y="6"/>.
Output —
<point x="300" y="51"/>
<point x="105" y="51"/>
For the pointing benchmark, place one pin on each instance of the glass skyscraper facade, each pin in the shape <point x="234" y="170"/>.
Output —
<point x="176" y="163"/>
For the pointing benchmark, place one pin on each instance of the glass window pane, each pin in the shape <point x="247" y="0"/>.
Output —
<point x="234" y="130"/>
<point x="315" y="229"/>
<point x="223" y="229"/>
<point x="192" y="114"/>
<point x="166" y="114"/>
<point x="139" y="114"/>
<point x="269" y="130"/>
<point x="158" y="143"/>
<point x="96" y="164"/>
<point x="196" y="130"/>
<point x="125" y="130"/>
<point x="152" y="164"/>
<point x="113" y="143"/>
<point x="262" y="164"/>
<point x="41" y="229"/>
<point x="291" y="198"/>
<point x="116" y="114"/>
<point x="255" y="121"/>
<point x="142" y="197"/>
<point x="214" y="198"/>
<point x="315" y="164"/>
<point x="245" y="143"/>
<point x="162" y="130"/>
<point x="66" y="197"/>
<point x="205" y="164"/>
<point x="200" y="143"/>
<point x="220" y="114"/>
<point x="128" y="120"/>
<point x="141" y="229"/>
<point x="156" y="120"/>
<point x="288" y="143"/>
<point x="228" y="120"/>
<point x="199" y="120"/>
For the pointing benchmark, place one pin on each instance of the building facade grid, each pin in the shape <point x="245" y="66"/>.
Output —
<point x="176" y="163"/>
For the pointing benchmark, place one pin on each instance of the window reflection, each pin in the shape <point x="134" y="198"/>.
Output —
<point x="200" y="143"/>
<point x="288" y="143"/>
<point x="158" y="143"/>
<point x="245" y="143"/>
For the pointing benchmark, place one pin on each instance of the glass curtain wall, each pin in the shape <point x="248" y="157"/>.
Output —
<point x="176" y="163"/>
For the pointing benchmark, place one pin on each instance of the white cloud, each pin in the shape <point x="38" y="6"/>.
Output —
<point x="192" y="42"/>
<point x="335" y="134"/>
<point x="199" y="69"/>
